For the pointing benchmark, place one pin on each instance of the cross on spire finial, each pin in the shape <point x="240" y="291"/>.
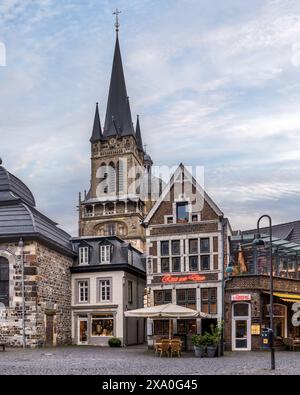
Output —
<point x="117" y="24"/>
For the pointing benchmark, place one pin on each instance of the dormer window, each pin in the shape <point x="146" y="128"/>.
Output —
<point x="105" y="254"/>
<point x="182" y="212"/>
<point x="83" y="255"/>
<point x="194" y="217"/>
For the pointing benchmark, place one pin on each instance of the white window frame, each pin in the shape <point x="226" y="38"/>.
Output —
<point x="233" y="327"/>
<point x="105" y="253"/>
<point x="166" y="217"/>
<point x="83" y="285"/>
<point x="83" y="255"/>
<point x="112" y="317"/>
<point x="106" y="284"/>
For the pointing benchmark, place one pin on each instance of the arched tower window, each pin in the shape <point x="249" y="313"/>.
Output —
<point x="4" y="281"/>
<point x="122" y="176"/>
<point x="111" y="178"/>
<point x="102" y="175"/>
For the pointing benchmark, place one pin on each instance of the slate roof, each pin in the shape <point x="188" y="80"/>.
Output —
<point x="97" y="132"/>
<point x="138" y="135"/>
<point x="118" y="120"/>
<point x="119" y="256"/>
<point x="287" y="231"/>
<point x="19" y="217"/>
<point x="11" y="186"/>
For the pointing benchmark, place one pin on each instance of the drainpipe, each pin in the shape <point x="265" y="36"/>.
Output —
<point x="223" y="287"/>
<point x="21" y="246"/>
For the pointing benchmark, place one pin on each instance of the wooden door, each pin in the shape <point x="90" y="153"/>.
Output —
<point x="49" y="330"/>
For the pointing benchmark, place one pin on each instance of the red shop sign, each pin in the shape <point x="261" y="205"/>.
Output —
<point x="183" y="279"/>
<point x="240" y="297"/>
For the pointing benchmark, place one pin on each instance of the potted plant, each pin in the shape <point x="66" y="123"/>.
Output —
<point x="199" y="343"/>
<point x="213" y="340"/>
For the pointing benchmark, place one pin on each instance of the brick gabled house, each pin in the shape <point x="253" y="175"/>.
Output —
<point x="187" y="247"/>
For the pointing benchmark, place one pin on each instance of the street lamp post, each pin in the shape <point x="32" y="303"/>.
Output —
<point x="21" y="246"/>
<point x="228" y="271"/>
<point x="258" y="241"/>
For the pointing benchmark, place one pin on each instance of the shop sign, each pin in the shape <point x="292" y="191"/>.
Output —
<point x="255" y="329"/>
<point x="296" y="315"/>
<point x="240" y="297"/>
<point x="183" y="279"/>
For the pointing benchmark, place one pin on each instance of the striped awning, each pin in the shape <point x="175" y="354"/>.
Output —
<point x="288" y="297"/>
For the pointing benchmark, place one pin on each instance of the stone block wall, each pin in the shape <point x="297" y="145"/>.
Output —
<point x="47" y="291"/>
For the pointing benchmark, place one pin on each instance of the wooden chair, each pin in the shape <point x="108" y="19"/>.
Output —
<point x="175" y="348"/>
<point x="163" y="347"/>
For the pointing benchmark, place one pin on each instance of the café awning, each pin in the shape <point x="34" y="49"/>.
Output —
<point x="165" y="311"/>
<point x="168" y="311"/>
<point x="288" y="297"/>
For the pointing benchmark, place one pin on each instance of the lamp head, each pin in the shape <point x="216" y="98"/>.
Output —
<point x="258" y="241"/>
<point x="229" y="268"/>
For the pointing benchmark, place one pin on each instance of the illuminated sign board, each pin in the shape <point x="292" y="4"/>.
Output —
<point x="183" y="279"/>
<point x="240" y="297"/>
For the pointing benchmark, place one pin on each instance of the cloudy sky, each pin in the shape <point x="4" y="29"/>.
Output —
<point x="216" y="84"/>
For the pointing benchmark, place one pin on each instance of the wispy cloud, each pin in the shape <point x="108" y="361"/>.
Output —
<point x="216" y="85"/>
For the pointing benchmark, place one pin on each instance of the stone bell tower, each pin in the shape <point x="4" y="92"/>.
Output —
<point x="117" y="200"/>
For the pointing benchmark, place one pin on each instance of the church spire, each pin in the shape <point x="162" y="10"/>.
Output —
<point x="138" y="135"/>
<point x="97" y="132"/>
<point x="118" y="115"/>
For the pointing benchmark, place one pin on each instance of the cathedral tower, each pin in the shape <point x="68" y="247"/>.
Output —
<point x="116" y="202"/>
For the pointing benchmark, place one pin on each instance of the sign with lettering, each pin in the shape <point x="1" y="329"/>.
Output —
<point x="183" y="279"/>
<point x="255" y="329"/>
<point x="240" y="297"/>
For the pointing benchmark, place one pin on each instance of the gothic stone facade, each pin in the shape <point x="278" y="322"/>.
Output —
<point x="117" y="200"/>
<point x="47" y="295"/>
<point x="114" y="207"/>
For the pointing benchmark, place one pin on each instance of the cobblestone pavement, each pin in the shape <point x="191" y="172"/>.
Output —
<point x="138" y="360"/>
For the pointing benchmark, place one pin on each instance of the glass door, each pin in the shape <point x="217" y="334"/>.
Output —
<point x="241" y="334"/>
<point x="82" y="331"/>
<point x="241" y="330"/>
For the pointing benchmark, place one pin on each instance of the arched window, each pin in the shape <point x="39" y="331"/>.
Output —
<point x="102" y="175"/>
<point x="4" y="281"/>
<point x="122" y="165"/>
<point x="111" y="178"/>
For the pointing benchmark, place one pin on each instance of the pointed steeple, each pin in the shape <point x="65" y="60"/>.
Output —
<point x="138" y="135"/>
<point x="97" y="132"/>
<point x="118" y="114"/>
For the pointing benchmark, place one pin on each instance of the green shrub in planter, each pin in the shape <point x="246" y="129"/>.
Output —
<point x="199" y="343"/>
<point x="213" y="340"/>
<point x="114" y="342"/>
